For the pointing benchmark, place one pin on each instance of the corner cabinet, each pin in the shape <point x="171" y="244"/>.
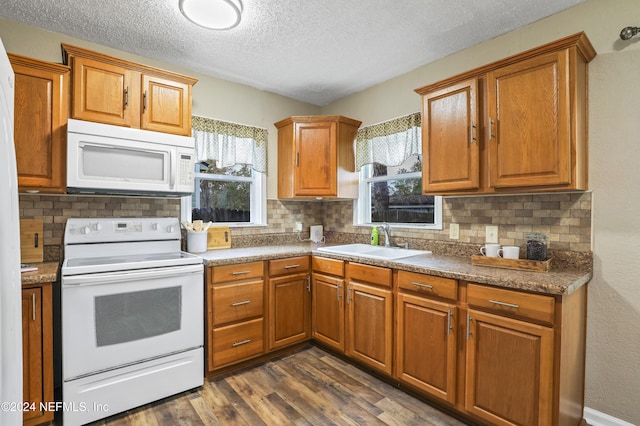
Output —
<point x="516" y="125"/>
<point x="37" y="352"/>
<point x="289" y="301"/>
<point x="316" y="157"/>
<point x="41" y="112"/>
<point x="114" y="91"/>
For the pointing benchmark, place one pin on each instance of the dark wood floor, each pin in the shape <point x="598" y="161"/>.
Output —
<point x="309" y="387"/>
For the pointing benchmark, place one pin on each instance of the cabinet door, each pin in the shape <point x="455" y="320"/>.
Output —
<point x="289" y="310"/>
<point x="509" y="370"/>
<point x="37" y="353"/>
<point x="41" y="111"/>
<point x="328" y="310"/>
<point x="166" y="106"/>
<point x="370" y="322"/>
<point x="316" y="159"/>
<point x="529" y="122"/>
<point x="426" y="345"/>
<point x="105" y="93"/>
<point x="450" y="138"/>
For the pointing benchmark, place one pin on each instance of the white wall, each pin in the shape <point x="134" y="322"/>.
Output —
<point x="613" y="330"/>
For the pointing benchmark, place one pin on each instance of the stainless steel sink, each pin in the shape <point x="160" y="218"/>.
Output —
<point x="366" y="250"/>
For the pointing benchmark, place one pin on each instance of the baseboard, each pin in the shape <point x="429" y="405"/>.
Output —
<point x="596" y="418"/>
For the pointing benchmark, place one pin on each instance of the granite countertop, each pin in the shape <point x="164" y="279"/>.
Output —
<point x="554" y="282"/>
<point x="47" y="273"/>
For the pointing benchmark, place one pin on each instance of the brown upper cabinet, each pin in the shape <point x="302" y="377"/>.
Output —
<point x="316" y="157"/>
<point x="515" y="125"/>
<point x="114" y="91"/>
<point x="41" y="112"/>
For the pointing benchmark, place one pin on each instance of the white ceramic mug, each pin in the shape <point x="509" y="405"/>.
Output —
<point x="490" y="250"/>
<point x="509" y="252"/>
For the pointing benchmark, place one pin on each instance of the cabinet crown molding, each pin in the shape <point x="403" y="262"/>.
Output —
<point x="578" y="40"/>
<point x="71" y="51"/>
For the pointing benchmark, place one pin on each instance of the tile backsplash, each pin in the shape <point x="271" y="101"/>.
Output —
<point x="56" y="209"/>
<point x="565" y="218"/>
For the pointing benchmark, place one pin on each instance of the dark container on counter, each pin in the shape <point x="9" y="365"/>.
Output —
<point x="536" y="246"/>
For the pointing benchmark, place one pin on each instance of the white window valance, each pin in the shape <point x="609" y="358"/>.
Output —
<point x="230" y="143"/>
<point x="390" y="143"/>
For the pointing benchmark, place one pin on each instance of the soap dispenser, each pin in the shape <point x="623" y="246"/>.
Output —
<point x="374" y="236"/>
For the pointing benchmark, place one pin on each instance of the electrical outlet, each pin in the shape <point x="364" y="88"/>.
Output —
<point x="454" y="231"/>
<point x="298" y="226"/>
<point x="491" y="234"/>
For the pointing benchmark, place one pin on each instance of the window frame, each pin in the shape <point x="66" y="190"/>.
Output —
<point x="362" y="206"/>
<point x="258" y="197"/>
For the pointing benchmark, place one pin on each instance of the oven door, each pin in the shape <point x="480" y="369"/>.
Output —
<point x="121" y="318"/>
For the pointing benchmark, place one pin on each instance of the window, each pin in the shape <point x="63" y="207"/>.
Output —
<point x="388" y="155"/>
<point x="230" y="178"/>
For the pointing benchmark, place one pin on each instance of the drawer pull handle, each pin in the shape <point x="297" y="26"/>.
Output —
<point x="339" y="291"/>
<point x="242" y="342"/>
<point x="244" y="302"/>
<point x="291" y="266"/>
<point x="422" y="285"/>
<point x="511" y="305"/>
<point x="240" y="272"/>
<point x="449" y="321"/>
<point x="468" y="326"/>
<point x="33" y="306"/>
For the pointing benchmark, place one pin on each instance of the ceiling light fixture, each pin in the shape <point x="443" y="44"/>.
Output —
<point x="213" y="14"/>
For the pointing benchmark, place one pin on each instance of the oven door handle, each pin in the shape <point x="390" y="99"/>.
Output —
<point x="128" y="276"/>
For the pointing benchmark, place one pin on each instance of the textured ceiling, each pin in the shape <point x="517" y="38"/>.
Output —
<point x="315" y="51"/>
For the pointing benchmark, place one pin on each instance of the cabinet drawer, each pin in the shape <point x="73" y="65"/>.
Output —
<point x="237" y="301"/>
<point x="328" y="266"/>
<point x="428" y="285"/>
<point x="290" y="265"/>
<point x="237" y="342"/>
<point x="236" y="272"/>
<point x="536" y="307"/>
<point x="368" y="273"/>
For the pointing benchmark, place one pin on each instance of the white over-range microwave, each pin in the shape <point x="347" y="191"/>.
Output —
<point x="107" y="159"/>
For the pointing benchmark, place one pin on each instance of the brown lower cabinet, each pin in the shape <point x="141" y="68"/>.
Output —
<point x="235" y="314"/>
<point x="495" y="355"/>
<point x="37" y="352"/>
<point x="426" y="334"/>
<point x="289" y="295"/>
<point x="370" y="316"/>
<point x="255" y="308"/>
<point x="327" y="302"/>
<point x="509" y="370"/>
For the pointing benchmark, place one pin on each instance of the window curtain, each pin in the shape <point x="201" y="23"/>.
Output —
<point x="390" y="143"/>
<point x="230" y="143"/>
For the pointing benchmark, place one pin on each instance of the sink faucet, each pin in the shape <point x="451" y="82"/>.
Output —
<point x="386" y="229"/>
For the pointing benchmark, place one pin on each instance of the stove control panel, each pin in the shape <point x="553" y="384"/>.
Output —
<point x="97" y="230"/>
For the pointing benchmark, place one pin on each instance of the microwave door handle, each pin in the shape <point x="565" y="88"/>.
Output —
<point x="172" y="171"/>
